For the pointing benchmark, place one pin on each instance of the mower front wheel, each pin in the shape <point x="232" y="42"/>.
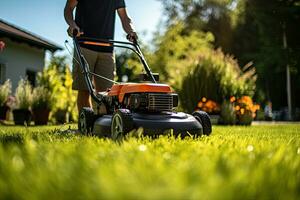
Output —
<point x="121" y="124"/>
<point x="86" y="121"/>
<point x="204" y="120"/>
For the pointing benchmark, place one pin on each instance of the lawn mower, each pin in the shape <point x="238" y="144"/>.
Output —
<point x="148" y="105"/>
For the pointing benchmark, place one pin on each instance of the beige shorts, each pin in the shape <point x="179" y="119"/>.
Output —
<point x="100" y="63"/>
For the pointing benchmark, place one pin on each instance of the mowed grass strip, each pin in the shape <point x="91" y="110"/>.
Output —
<point x="259" y="162"/>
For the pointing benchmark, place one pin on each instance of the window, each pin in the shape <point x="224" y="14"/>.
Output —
<point x="31" y="77"/>
<point x="2" y="73"/>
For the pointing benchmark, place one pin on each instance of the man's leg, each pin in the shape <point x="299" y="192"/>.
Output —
<point x="105" y="66"/>
<point x="83" y="100"/>
<point x="83" y="97"/>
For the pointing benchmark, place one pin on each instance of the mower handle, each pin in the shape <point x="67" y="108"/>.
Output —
<point x="101" y="42"/>
<point x="106" y="42"/>
<point x="112" y="43"/>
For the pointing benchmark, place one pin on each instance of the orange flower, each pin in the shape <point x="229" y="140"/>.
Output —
<point x="242" y="111"/>
<point x="232" y="99"/>
<point x="245" y="105"/>
<point x="200" y="104"/>
<point x="209" y="106"/>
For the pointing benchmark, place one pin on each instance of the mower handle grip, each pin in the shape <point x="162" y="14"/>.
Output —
<point x="75" y="33"/>
<point x="135" y="41"/>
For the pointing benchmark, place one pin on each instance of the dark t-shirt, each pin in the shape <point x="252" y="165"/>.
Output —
<point x="96" y="18"/>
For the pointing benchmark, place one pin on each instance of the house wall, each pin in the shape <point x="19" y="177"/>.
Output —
<point x="18" y="58"/>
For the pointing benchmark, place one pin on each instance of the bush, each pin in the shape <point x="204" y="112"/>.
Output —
<point x="195" y="70"/>
<point x="228" y="115"/>
<point x="240" y="111"/>
<point x="215" y="76"/>
<point x="5" y="91"/>
<point x="24" y="95"/>
<point x="245" y="110"/>
<point x="60" y="86"/>
<point x="42" y="98"/>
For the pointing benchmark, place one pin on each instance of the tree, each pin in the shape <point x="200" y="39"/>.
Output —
<point x="252" y="30"/>
<point x="260" y="30"/>
<point x="195" y="69"/>
<point x="213" y="16"/>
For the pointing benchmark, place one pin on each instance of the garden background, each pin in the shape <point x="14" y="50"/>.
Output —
<point x="226" y="57"/>
<point x="222" y="52"/>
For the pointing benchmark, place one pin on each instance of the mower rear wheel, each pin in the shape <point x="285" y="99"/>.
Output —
<point x="86" y="121"/>
<point x="121" y="124"/>
<point x="204" y="120"/>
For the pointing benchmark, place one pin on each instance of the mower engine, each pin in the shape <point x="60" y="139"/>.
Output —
<point x="152" y="102"/>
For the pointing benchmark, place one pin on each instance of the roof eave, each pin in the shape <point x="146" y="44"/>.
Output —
<point x="52" y="48"/>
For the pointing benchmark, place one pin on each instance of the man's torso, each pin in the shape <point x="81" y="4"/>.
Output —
<point x="96" y="18"/>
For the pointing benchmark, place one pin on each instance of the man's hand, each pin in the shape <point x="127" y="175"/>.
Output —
<point x="68" y="13"/>
<point x="132" y="37"/>
<point x="72" y="28"/>
<point x="127" y="25"/>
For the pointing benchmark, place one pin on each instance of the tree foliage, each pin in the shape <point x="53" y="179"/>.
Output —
<point x="213" y="16"/>
<point x="252" y="30"/>
<point x="263" y="24"/>
<point x="195" y="69"/>
<point x="176" y="51"/>
<point x="128" y="63"/>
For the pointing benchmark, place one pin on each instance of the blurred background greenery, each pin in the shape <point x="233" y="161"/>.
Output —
<point x="220" y="51"/>
<point x="222" y="48"/>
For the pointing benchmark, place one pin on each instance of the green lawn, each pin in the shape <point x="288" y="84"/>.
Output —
<point x="259" y="162"/>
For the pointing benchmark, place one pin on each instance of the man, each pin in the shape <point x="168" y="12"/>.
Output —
<point x="96" y="19"/>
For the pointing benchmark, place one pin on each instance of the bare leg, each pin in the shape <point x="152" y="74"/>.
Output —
<point x="83" y="100"/>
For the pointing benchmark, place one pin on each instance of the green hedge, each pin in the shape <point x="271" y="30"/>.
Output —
<point x="214" y="76"/>
<point x="190" y="64"/>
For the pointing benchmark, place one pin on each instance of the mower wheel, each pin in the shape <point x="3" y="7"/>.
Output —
<point x="86" y="121"/>
<point x="204" y="120"/>
<point x="121" y="124"/>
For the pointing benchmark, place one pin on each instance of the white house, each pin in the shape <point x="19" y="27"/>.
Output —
<point x="23" y="55"/>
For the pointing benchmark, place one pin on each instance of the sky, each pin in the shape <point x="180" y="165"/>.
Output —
<point x="45" y="17"/>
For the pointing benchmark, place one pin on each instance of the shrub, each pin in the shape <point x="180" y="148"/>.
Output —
<point x="228" y="115"/>
<point x="23" y="95"/>
<point x="5" y="91"/>
<point x="245" y="110"/>
<point x="42" y="98"/>
<point x="71" y="97"/>
<point x="194" y="69"/>
<point x="60" y="86"/>
<point x="240" y="111"/>
<point x="215" y="76"/>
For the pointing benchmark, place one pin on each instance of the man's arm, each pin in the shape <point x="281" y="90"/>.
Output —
<point x="127" y="25"/>
<point x="68" y="13"/>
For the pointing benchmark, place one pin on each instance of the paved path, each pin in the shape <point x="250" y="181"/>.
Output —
<point x="256" y="123"/>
